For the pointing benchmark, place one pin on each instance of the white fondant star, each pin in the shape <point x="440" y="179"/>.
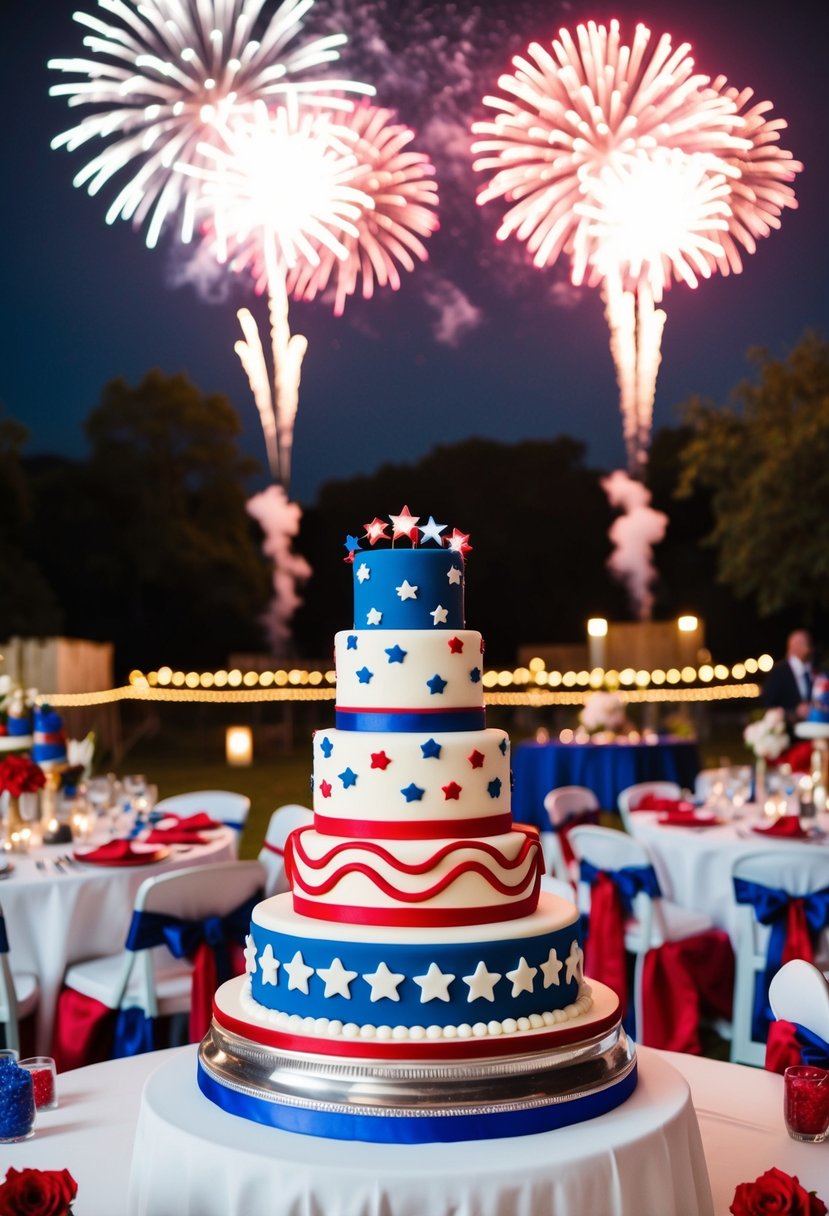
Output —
<point x="574" y="961"/>
<point x="551" y="969"/>
<point x="363" y="573"/>
<point x="250" y="955"/>
<point x="406" y="591"/>
<point x="373" y="617"/>
<point x="431" y="531"/>
<point x="434" y="985"/>
<point x="439" y="615"/>
<point x="269" y="965"/>
<point x="337" y="979"/>
<point x="522" y="977"/>
<point x="299" y="973"/>
<point x="454" y="575"/>
<point x="384" y="984"/>
<point x="481" y="983"/>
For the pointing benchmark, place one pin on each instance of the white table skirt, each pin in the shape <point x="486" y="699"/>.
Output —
<point x="92" y="1133"/>
<point x="54" y="919"/>
<point x="694" y="865"/>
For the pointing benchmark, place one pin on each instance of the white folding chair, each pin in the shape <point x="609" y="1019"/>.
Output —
<point x="563" y="806"/>
<point x="630" y="797"/>
<point x="799" y="870"/>
<point x="153" y="979"/>
<point x="232" y="809"/>
<point x="272" y="854"/>
<point x="19" y="994"/>
<point x="654" y="921"/>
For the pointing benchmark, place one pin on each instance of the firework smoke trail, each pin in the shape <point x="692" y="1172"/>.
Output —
<point x="163" y="72"/>
<point x="634" y="534"/>
<point x="279" y="521"/>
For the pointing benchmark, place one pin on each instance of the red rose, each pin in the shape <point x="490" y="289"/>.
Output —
<point x="775" y="1194"/>
<point x="20" y="775"/>
<point x="37" y="1193"/>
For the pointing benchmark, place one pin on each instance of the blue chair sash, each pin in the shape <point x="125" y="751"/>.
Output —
<point x="771" y="907"/>
<point x="4" y="941"/>
<point x="629" y="881"/>
<point x="813" y="1049"/>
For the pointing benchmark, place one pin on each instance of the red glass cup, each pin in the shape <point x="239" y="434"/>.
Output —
<point x="42" y="1070"/>
<point x="806" y="1102"/>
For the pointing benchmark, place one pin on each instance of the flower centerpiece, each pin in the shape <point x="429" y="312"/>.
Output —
<point x="604" y="713"/>
<point x="768" y="738"/>
<point x="32" y="1192"/>
<point x="18" y="775"/>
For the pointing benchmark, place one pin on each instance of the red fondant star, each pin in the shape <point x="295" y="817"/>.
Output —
<point x="404" y="524"/>
<point x="482" y="645"/>
<point x="452" y="790"/>
<point x="349" y="559"/>
<point x="476" y="758"/>
<point x="455" y="646"/>
<point x="325" y="789"/>
<point x="376" y="530"/>
<point x="379" y="760"/>
<point x="457" y="542"/>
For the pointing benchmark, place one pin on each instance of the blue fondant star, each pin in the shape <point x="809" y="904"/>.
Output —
<point x="502" y="747"/>
<point x="348" y="778"/>
<point x="435" y="685"/>
<point x="364" y="675"/>
<point x="494" y="788"/>
<point x="326" y="747"/>
<point x="352" y="642"/>
<point x="412" y="793"/>
<point x="352" y="543"/>
<point x="475" y="675"/>
<point x="396" y="655"/>
<point x="431" y="748"/>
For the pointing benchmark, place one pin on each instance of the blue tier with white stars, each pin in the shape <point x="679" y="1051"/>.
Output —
<point x="408" y="589"/>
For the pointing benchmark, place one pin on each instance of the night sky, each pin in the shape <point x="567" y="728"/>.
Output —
<point x="476" y="342"/>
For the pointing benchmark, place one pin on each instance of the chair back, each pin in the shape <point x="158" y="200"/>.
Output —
<point x="610" y="850"/>
<point x="632" y="796"/>
<point x="231" y="808"/>
<point x="565" y="806"/>
<point x="272" y="854"/>
<point x="8" y="996"/>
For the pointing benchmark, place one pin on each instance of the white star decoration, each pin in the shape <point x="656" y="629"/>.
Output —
<point x="269" y="965"/>
<point x="363" y="573"/>
<point x="373" y="617"/>
<point x="434" y="985"/>
<point x="551" y="969"/>
<point x="337" y="979"/>
<point x="454" y="575"/>
<point x="384" y="983"/>
<point x="574" y="961"/>
<point x="298" y="973"/>
<point x="406" y="591"/>
<point x="481" y="983"/>
<point x="439" y="615"/>
<point x="522" y="977"/>
<point x="250" y="955"/>
<point x="431" y="531"/>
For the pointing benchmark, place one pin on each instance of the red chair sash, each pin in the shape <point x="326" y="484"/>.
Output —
<point x="682" y="982"/>
<point x="605" y="946"/>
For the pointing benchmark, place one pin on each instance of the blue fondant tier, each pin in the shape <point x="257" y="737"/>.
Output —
<point x="408" y="589"/>
<point x="542" y="979"/>
<point x="17" y="727"/>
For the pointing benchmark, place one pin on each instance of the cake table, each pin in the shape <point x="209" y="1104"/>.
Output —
<point x="644" y="1159"/>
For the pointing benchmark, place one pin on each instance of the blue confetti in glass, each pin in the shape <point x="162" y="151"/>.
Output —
<point x="17" y="1102"/>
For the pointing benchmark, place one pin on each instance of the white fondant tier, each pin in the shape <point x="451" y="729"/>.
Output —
<point x="366" y="783"/>
<point x="15" y="743"/>
<point x="424" y="882"/>
<point x="409" y="669"/>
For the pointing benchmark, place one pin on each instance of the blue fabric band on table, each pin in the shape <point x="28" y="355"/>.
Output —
<point x="416" y="1129"/>
<point x="771" y="907"/>
<point x="426" y="569"/>
<point x="4" y="941"/>
<point x="629" y="881"/>
<point x="410" y="721"/>
<point x="813" y="1049"/>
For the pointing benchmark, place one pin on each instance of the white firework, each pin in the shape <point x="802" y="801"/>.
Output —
<point x="163" y="73"/>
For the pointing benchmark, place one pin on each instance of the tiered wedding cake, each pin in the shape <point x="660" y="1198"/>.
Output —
<point x="416" y="984"/>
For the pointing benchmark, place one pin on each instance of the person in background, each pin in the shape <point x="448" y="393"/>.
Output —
<point x="789" y="683"/>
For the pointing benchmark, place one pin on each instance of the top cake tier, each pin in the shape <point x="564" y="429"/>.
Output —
<point x="408" y="589"/>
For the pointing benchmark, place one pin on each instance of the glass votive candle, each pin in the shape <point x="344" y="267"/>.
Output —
<point x="42" y="1069"/>
<point x="806" y="1102"/>
<point x="17" y="1102"/>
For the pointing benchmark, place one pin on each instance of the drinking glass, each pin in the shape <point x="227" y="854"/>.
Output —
<point x="806" y="1102"/>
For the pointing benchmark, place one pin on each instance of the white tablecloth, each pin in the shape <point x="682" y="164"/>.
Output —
<point x="693" y="865"/>
<point x="54" y="919"/>
<point x="92" y="1132"/>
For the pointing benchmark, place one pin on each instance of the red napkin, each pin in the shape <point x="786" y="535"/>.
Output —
<point x="113" y="850"/>
<point x="200" y="822"/>
<point x="174" y="835"/>
<point x="787" y="826"/>
<point x="682" y="819"/>
<point x="650" y="802"/>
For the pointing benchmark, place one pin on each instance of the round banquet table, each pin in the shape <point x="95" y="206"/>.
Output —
<point x="55" y="917"/>
<point x="93" y="1133"/>
<point x="694" y="864"/>
<point x="605" y="768"/>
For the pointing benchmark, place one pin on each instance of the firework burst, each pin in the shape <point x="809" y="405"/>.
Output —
<point x="162" y="73"/>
